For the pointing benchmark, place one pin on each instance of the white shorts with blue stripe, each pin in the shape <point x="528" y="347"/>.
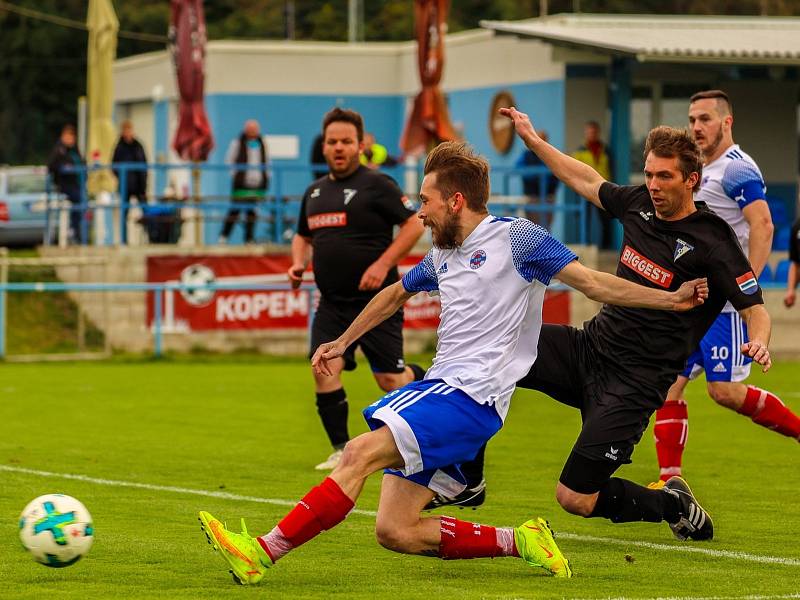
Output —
<point x="720" y="351"/>
<point x="436" y="427"/>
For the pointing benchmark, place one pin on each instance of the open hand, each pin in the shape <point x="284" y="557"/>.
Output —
<point x="373" y="277"/>
<point x="691" y="294"/>
<point x="325" y="353"/>
<point x="759" y="353"/>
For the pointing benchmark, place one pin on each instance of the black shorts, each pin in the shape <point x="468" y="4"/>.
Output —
<point x="615" y="405"/>
<point x="383" y="345"/>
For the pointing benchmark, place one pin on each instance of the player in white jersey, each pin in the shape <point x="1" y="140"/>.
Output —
<point x="491" y="274"/>
<point x="733" y="187"/>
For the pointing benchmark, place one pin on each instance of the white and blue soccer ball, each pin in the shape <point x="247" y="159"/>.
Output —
<point x="56" y="529"/>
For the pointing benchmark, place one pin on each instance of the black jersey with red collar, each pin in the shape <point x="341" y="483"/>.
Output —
<point x="665" y="254"/>
<point x="350" y="224"/>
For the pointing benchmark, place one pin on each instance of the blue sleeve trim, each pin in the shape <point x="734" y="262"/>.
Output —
<point x="743" y="183"/>
<point x="422" y="278"/>
<point x="537" y="254"/>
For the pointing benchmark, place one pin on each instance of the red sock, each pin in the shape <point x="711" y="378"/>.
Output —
<point x="461" y="539"/>
<point x="670" y="431"/>
<point x="324" y="507"/>
<point x="767" y="410"/>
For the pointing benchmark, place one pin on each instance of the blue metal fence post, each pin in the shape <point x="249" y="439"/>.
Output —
<point x="277" y="212"/>
<point x="157" y="309"/>
<point x="620" y="98"/>
<point x="123" y="203"/>
<point x="83" y="206"/>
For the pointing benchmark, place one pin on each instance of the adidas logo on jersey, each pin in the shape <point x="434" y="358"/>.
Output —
<point x="720" y="368"/>
<point x="442" y="269"/>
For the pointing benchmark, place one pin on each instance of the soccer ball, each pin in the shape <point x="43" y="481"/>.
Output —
<point x="56" y="529"/>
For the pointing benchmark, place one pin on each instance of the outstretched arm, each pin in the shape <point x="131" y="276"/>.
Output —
<point x="610" y="289"/>
<point x="380" y="308"/>
<point x="579" y="176"/>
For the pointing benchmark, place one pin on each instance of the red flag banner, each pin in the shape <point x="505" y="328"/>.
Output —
<point x="187" y="42"/>
<point x="429" y="121"/>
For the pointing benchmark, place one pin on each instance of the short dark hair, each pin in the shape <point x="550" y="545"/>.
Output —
<point x="718" y="95"/>
<point x="459" y="168"/>
<point x="344" y="115"/>
<point x="594" y="124"/>
<point x="669" y="142"/>
<point x="68" y="128"/>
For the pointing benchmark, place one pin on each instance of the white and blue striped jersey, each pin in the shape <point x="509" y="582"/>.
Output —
<point x="491" y="290"/>
<point x="730" y="183"/>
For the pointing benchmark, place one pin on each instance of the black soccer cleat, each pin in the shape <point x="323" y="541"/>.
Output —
<point x="471" y="497"/>
<point x="694" y="522"/>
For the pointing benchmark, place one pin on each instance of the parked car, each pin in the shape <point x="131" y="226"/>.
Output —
<point x="23" y="201"/>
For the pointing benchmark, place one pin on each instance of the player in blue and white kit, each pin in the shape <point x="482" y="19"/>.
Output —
<point x="733" y="187"/>
<point x="491" y="274"/>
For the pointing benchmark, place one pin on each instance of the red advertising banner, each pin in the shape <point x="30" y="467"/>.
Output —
<point x="205" y="310"/>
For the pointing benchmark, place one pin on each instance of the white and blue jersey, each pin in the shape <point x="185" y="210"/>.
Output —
<point x="729" y="184"/>
<point x="491" y="290"/>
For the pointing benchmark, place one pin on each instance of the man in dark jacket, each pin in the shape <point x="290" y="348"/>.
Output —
<point x="249" y="185"/>
<point x="130" y="150"/>
<point x="66" y="154"/>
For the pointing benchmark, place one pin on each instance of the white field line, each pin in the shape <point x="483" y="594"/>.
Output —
<point x="751" y="597"/>
<point x="742" y="556"/>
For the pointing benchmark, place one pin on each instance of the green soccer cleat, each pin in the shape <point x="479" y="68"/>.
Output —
<point x="244" y="554"/>
<point x="536" y="546"/>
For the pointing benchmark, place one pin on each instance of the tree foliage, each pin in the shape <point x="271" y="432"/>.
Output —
<point x="43" y="65"/>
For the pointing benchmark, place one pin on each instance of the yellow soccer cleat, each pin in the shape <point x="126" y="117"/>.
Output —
<point x="243" y="553"/>
<point x="536" y="546"/>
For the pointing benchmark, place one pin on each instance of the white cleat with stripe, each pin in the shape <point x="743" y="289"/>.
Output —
<point x="694" y="523"/>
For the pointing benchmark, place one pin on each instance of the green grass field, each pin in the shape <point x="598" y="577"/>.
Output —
<point x="248" y="428"/>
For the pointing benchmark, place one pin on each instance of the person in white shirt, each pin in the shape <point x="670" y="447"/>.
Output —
<point x="249" y="185"/>
<point x="491" y="274"/>
<point x="733" y="187"/>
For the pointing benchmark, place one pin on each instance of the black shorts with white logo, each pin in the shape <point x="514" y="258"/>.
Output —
<point x="615" y="406"/>
<point x="383" y="345"/>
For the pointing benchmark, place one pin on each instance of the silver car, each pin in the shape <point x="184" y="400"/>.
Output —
<point x="23" y="201"/>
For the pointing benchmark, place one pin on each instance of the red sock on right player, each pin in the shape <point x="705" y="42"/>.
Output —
<point x="670" y="432"/>
<point x="462" y="539"/>
<point x="767" y="410"/>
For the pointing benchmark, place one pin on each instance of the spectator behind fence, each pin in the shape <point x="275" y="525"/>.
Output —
<point x="66" y="154"/>
<point x="130" y="150"/>
<point x="595" y="154"/>
<point x="375" y="155"/>
<point x="794" y="265"/>
<point x="319" y="168"/>
<point x="531" y="185"/>
<point x="249" y="185"/>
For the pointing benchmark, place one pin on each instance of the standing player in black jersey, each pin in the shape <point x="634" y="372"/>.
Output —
<point x="347" y="218"/>
<point x="618" y="368"/>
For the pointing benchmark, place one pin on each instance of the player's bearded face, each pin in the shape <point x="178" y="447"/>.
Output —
<point x="445" y="232"/>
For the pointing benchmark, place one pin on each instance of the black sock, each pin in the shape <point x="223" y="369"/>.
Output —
<point x="623" y="501"/>
<point x="419" y="372"/>
<point x="332" y="409"/>
<point x="473" y="470"/>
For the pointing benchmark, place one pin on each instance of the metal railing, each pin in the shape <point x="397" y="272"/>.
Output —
<point x="276" y="214"/>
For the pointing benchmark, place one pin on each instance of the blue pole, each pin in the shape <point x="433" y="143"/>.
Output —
<point x="82" y="210"/>
<point x="157" y="321"/>
<point x="277" y="212"/>
<point x="123" y="204"/>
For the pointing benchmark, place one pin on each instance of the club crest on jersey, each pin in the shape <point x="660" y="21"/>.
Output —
<point x="349" y="195"/>
<point x="477" y="259"/>
<point x="407" y="203"/>
<point x="747" y="283"/>
<point x="681" y="248"/>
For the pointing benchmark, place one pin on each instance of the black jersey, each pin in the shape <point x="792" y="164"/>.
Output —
<point x="350" y="223"/>
<point x="653" y="344"/>
<point x="794" y="242"/>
